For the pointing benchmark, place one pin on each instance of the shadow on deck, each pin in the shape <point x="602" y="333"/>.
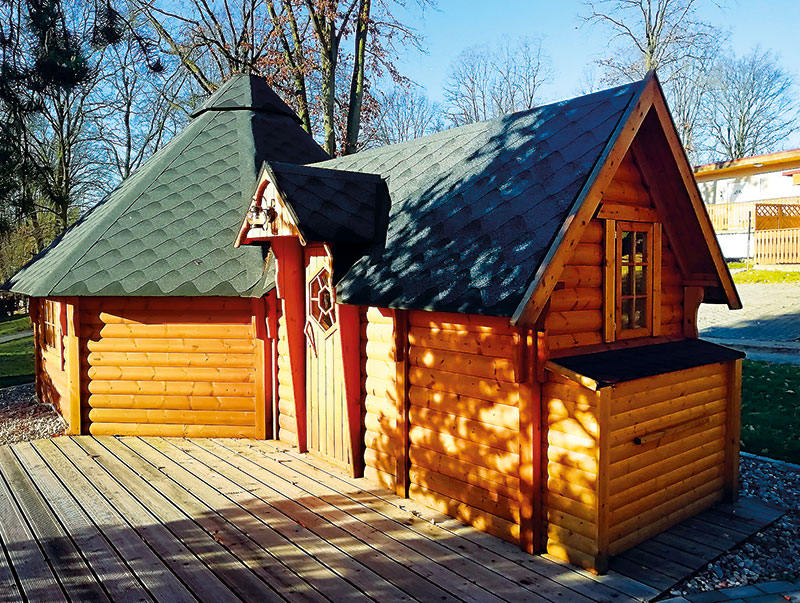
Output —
<point x="139" y="519"/>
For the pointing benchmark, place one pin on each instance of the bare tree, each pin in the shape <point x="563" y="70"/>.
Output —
<point x="406" y="114"/>
<point x="752" y="106"/>
<point x="487" y="82"/>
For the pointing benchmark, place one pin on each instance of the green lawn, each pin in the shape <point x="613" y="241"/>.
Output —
<point x="771" y="410"/>
<point x="736" y="265"/>
<point x="767" y="276"/>
<point x="16" y="362"/>
<point x="15" y="325"/>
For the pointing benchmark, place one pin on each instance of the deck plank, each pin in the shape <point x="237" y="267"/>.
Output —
<point x="71" y="570"/>
<point x="195" y="524"/>
<point x="400" y="574"/>
<point x="395" y="538"/>
<point x="560" y="574"/>
<point x="106" y="564"/>
<point x="208" y="489"/>
<point x="175" y="554"/>
<point x="8" y="584"/>
<point x="159" y="581"/>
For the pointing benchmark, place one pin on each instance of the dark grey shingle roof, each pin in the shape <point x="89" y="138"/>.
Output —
<point x="334" y="206"/>
<point x="169" y="228"/>
<point x="475" y="209"/>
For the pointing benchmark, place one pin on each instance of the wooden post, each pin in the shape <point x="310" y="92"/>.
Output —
<point x="609" y="281"/>
<point x="401" y="385"/>
<point x="73" y="366"/>
<point x="272" y="309"/>
<point x="733" y="421"/>
<point x="655" y="275"/>
<point x="261" y="359"/>
<point x="291" y="289"/>
<point x="350" y="334"/>
<point x="530" y="492"/>
<point x="692" y="298"/>
<point x="603" y="463"/>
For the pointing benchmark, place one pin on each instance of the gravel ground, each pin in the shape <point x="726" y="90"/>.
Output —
<point x="23" y="418"/>
<point x="773" y="553"/>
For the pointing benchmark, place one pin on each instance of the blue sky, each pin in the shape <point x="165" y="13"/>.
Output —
<point x="572" y="44"/>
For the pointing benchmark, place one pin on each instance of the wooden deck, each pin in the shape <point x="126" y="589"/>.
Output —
<point x="139" y="519"/>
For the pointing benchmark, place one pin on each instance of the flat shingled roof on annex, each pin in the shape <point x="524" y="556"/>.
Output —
<point x="168" y="230"/>
<point x="476" y="208"/>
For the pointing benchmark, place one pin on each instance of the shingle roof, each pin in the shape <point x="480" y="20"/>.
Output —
<point x="169" y="228"/>
<point x="334" y="206"/>
<point x="475" y="209"/>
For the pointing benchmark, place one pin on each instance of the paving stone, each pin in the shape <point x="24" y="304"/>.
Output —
<point x="712" y="596"/>
<point x="775" y="587"/>
<point x="773" y="598"/>
<point x="741" y="591"/>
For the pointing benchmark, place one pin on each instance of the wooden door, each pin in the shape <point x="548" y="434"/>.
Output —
<point x="325" y="390"/>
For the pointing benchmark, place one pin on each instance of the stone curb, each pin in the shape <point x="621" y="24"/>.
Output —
<point x="764" y="459"/>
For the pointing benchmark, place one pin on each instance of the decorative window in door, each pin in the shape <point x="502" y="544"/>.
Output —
<point x="320" y="296"/>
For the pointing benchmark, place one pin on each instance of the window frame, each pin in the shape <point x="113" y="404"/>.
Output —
<point x="612" y="280"/>
<point x="312" y="299"/>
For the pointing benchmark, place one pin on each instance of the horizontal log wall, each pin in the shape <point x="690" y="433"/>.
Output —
<point x="287" y="422"/>
<point x="463" y="419"/>
<point x="382" y="440"/>
<point x="168" y="366"/>
<point x="570" y="414"/>
<point x="679" y="471"/>
<point x="575" y="317"/>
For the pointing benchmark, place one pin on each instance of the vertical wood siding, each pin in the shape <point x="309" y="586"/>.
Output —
<point x="52" y="381"/>
<point x="167" y="366"/>
<point x="464" y="419"/>
<point x="575" y="317"/>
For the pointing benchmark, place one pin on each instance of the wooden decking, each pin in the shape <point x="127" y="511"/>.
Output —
<point x="138" y="519"/>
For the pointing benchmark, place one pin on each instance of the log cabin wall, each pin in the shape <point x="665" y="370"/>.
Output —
<point x="52" y="382"/>
<point x="168" y="366"/>
<point x="575" y="316"/>
<point x="679" y="468"/>
<point x="571" y="416"/>
<point x="382" y="438"/>
<point x="463" y="419"/>
<point x="287" y="421"/>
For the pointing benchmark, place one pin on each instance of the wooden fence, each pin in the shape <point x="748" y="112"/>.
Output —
<point x="737" y="217"/>
<point x="731" y="217"/>
<point x="778" y="246"/>
<point x="772" y="216"/>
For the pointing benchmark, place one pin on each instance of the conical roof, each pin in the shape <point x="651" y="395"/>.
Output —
<point x="168" y="230"/>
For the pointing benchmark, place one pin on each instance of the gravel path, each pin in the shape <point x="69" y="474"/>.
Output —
<point x="23" y="418"/>
<point x="773" y="553"/>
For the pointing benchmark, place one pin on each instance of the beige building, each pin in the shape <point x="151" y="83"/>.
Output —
<point x="731" y="190"/>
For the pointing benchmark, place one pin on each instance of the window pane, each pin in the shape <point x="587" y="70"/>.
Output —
<point x="641" y="246"/>
<point x="627" y="313"/>
<point x="640" y="313"/>
<point x="627" y="243"/>
<point x="640" y="280"/>
<point x="625" y="280"/>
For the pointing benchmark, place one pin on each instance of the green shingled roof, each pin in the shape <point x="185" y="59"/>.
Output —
<point x="168" y="230"/>
<point x="475" y="209"/>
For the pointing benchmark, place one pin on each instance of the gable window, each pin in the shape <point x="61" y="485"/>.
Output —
<point x="633" y="258"/>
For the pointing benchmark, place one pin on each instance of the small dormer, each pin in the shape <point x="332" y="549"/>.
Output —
<point x="316" y="205"/>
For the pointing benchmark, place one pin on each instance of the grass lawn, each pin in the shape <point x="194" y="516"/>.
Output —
<point x="736" y="265"/>
<point x="15" y="325"/>
<point x="16" y="362"/>
<point x="771" y="410"/>
<point x="767" y="276"/>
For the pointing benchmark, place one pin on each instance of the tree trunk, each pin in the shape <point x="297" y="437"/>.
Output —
<point x="357" y="82"/>
<point x="329" y="98"/>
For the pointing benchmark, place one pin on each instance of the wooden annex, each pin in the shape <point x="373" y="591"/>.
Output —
<point x="497" y="321"/>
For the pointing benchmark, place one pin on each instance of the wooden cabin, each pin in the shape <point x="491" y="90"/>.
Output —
<point x="498" y="321"/>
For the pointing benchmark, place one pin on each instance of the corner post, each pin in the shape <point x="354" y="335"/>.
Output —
<point x="291" y="289"/>
<point x="350" y="334"/>
<point x="73" y="362"/>
<point x="261" y="360"/>
<point x="401" y="385"/>
<point x="733" y="420"/>
<point x="603" y="449"/>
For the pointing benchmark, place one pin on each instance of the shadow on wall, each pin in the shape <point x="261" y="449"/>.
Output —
<point x="165" y="519"/>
